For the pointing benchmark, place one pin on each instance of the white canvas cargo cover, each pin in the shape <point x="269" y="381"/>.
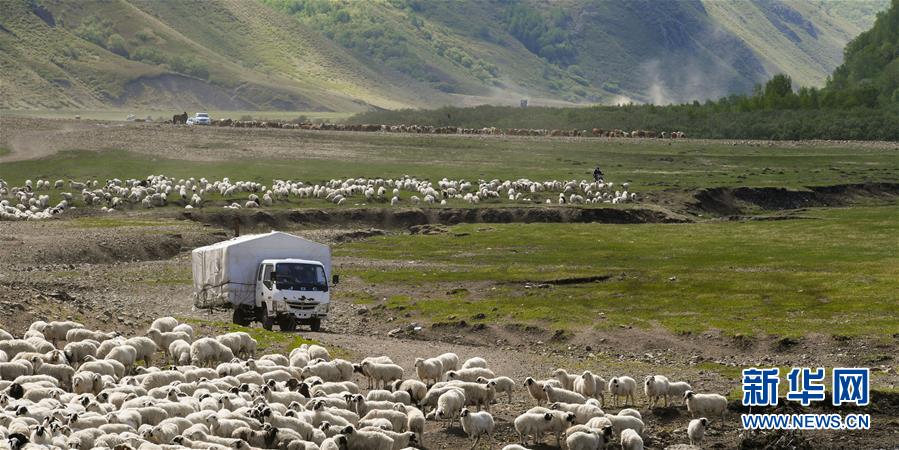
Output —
<point x="225" y="272"/>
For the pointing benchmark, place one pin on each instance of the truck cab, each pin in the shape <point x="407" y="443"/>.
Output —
<point x="289" y="292"/>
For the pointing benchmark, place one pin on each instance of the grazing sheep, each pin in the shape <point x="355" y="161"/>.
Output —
<point x="145" y="348"/>
<point x="185" y="328"/>
<point x="590" y="386"/>
<point x="477" y="424"/>
<point x="588" y="440"/>
<point x="696" y="430"/>
<point x="622" y="386"/>
<point x="56" y="331"/>
<point x="477" y="361"/>
<point x="655" y="387"/>
<point x="537" y="424"/>
<point x="429" y="369"/>
<point x="631" y="440"/>
<point x="705" y="404"/>
<point x="620" y="423"/>
<point x="205" y="352"/>
<point x="470" y="375"/>
<point x="449" y="405"/>
<point x="416" y="389"/>
<point x="124" y="354"/>
<point x="164" y="324"/>
<point x="179" y="352"/>
<point x="366" y="440"/>
<point x="415" y="420"/>
<point x="582" y="413"/>
<point x="554" y="394"/>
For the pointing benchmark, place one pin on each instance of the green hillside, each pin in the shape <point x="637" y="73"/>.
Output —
<point x="350" y="56"/>
<point x="871" y="70"/>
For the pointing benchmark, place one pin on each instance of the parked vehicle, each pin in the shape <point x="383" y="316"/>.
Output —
<point x="202" y="119"/>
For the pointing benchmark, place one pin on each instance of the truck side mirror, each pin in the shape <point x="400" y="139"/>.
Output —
<point x="335" y="279"/>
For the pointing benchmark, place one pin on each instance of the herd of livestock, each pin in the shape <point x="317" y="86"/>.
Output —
<point x="428" y="129"/>
<point x="33" y="199"/>
<point x="63" y="385"/>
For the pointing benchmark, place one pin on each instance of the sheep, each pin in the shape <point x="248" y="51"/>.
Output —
<point x="110" y="367"/>
<point x="564" y="378"/>
<point x="631" y="440"/>
<point x="366" y="440"/>
<point x="477" y="361"/>
<point x="398" y="420"/>
<point x="588" y="440"/>
<point x="655" y="387"/>
<point x="630" y="412"/>
<point x="61" y="372"/>
<point x="179" y="351"/>
<point x="476" y="424"/>
<point x="677" y="389"/>
<point x="75" y="352"/>
<point x="56" y="331"/>
<point x="705" y="404"/>
<point x="416" y="389"/>
<point x="207" y="351"/>
<point x="554" y="394"/>
<point x="622" y="386"/>
<point x="501" y="385"/>
<point x="124" y="354"/>
<point x="590" y="386"/>
<point x="382" y="374"/>
<point x="582" y="413"/>
<point x="450" y="361"/>
<point x="429" y="369"/>
<point x="620" y="423"/>
<point x="185" y="328"/>
<point x="240" y="343"/>
<point x="145" y="348"/>
<point x="535" y="388"/>
<point x="383" y="395"/>
<point x="334" y="443"/>
<point x="337" y="370"/>
<point x="87" y="383"/>
<point x="261" y="439"/>
<point x="470" y="375"/>
<point x="164" y="324"/>
<point x="537" y="424"/>
<point x="696" y="430"/>
<point x="164" y="339"/>
<point x="11" y="370"/>
<point x="449" y="404"/>
<point x="83" y="334"/>
<point x="415" y="420"/>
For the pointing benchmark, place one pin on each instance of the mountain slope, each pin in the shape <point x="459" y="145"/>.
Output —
<point x="341" y="55"/>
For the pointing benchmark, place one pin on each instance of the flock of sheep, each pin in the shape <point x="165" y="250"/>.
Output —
<point x="428" y="129"/>
<point x="32" y="200"/>
<point x="65" y="386"/>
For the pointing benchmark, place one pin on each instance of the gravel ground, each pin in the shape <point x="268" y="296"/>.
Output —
<point x="123" y="277"/>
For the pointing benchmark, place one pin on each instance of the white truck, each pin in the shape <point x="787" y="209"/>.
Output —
<point x="272" y="278"/>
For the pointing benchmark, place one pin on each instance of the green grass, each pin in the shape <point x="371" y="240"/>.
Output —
<point x="835" y="273"/>
<point x="4" y="151"/>
<point x="117" y="222"/>
<point x="143" y="113"/>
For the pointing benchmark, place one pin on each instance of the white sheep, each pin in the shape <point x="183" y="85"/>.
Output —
<point x="705" y="404"/>
<point x="470" y="375"/>
<point x="590" y="386"/>
<point x="185" y="328"/>
<point x="536" y="424"/>
<point x="366" y="440"/>
<point x="622" y="387"/>
<point x="477" y="424"/>
<point x="124" y="354"/>
<point x="449" y="404"/>
<point x="582" y="413"/>
<point x="554" y="394"/>
<point x="564" y="378"/>
<point x="164" y="324"/>
<point x="631" y="440"/>
<point x="416" y="389"/>
<point x="415" y="420"/>
<point x="501" y="385"/>
<point x="429" y="369"/>
<point x="620" y="423"/>
<point x="477" y="361"/>
<point x="535" y="388"/>
<point x="144" y="347"/>
<point x="655" y="387"/>
<point x="382" y="374"/>
<point x="696" y="430"/>
<point x="179" y="351"/>
<point x="677" y="389"/>
<point x="449" y="361"/>
<point x="587" y="440"/>
<point x="205" y="352"/>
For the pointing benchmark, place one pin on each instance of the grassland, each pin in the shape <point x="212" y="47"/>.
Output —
<point x="142" y="113"/>
<point x="835" y="272"/>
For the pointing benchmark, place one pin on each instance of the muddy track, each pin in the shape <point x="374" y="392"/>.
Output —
<point x="742" y="200"/>
<point x="407" y="217"/>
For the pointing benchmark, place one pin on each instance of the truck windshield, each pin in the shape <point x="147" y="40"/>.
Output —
<point x="300" y="277"/>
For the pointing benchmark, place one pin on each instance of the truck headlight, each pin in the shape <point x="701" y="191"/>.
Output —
<point x="279" y="306"/>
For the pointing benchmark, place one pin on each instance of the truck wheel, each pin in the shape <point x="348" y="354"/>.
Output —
<point x="240" y="318"/>
<point x="267" y="320"/>
<point x="287" y="323"/>
<point x="315" y="325"/>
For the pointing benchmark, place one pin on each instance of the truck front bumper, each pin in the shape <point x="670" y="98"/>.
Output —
<point x="307" y="310"/>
